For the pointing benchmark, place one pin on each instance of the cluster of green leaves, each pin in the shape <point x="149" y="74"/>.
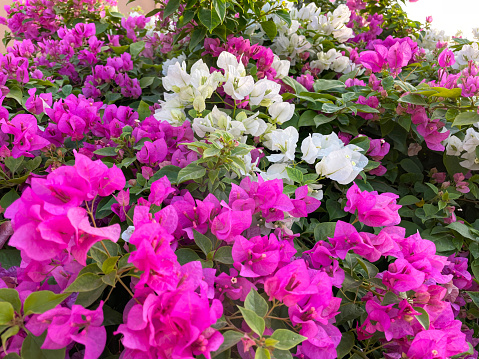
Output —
<point x="219" y="155"/>
<point x="258" y="314"/>
<point x="220" y="18"/>
<point x="12" y="320"/>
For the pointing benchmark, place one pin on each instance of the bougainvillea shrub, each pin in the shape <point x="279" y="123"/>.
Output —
<point x="237" y="179"/>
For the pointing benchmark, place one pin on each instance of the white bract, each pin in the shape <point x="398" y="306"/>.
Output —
<point x="127" y="234"/>
<point x="285" y="142"/>
<point x="431" y="37"/>
<point x="454" y="146"/>
<point x="342" y="165"/>
<point x="316" y="146"/>
<point x="170" y="62"/>
<point x="281" y="112"/>
<point x="291" y="46"/>
<point x="238" y="85"/>
<point x="177" y="77"/>
<point x="466" y="54"/>
<point x="254" y="125"/>
<point x="281" y="67"/>
<point x="215" y="120"/>
<point x="332" y="59"/>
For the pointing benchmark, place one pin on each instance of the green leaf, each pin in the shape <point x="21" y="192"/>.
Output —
<point x="7" y="199"/>
<point x="85" y="283"/>
<point x="362" y="142"/>
<point x="6" y="312"/>
<point x="136" y="48"/>
<point x="410" y="166"/>
<point x="209" y="18"/>
<point x="415" y="99"/>
<point x="40" y="302"/>
<point x="295" y="175"/>
<point x="220" y="7"/>
<point x="408" y="200"/>
<point x="387" y="83"/>
<point x="32" y="348"/>
<point x="185" y="18"/>
<point x="10" y="258"/>
<point x="186" y="255"/>
<point x="287" y="339"/>
<point x="269" y="27"/>
<point x="282" y="354"/>
<point x="171" y="7"/>
<point x="262" y="353"/>
<point x="111" y="97"/>
<point x="223" y="255"/>
<point x="445" y="92"/>
<point x="171" y="172"/>
<point x="110" y="278"/>
<point x="67" y="89"/>
<point x="203" y="242"/>
<point x="466" y="118"/>
<point x="284" y="14"/>
<point x="143" y="110"/>
<point x="368" y="267"/>
<point x="85" y="299"/>
<point x="475" y="297"/>
<point x="345" y="345"/>
<point x="254" y="321"/>
<point x="295" y="85"/>
<point x="256" y="303"/>
<point x="307" y="118"/>
<point x="13" y="163"/>
<point x="12" y="356"/>
<point x="119" y="49"/>
<point x="109" y="264"/>
<point x="334" y="209"/>
<point x="146" y="81"/>
<point x="322" y="119"/>
<point x="15" y="93"/>
<point x="324" y="230"/>
<point x="106" y="152"/>
<point x="111" y="316"/>
<point x="11" y="296"/>
<point x="191" y="172"/>
<point x="463" y="230"/>
<point x="423" y="318"/>
<point x="363" y="108"/>
<point x="326" y="85"/>
<point x="197" y="35"/>
<point x="100" y="28"/>
<point x="230" y="338"/>
<point x="10" y="332"/>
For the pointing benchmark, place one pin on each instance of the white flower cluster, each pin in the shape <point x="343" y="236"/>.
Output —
<point x="466" y="54"/>
<point x="331" y="60"/>
<point x="290" y="44"/>
<point x="338" y="162"/>
<point x="170" y="62"/>
<point x="194" y="88"/>
<point x="332" y="23"/>
<point x="475" y="33"/>
<point x="431" y="37"/>
<point x="465" y="149"/>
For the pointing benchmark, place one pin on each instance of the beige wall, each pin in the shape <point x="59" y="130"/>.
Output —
<point x="147" y="5"/>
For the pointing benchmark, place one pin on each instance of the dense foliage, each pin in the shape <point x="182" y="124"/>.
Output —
<point x="237" y="179"/>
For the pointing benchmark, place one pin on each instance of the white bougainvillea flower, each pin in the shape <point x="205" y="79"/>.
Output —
<point x="177" y="77"/>
<point x="284" y="141"/>
<point x="342" y="165"/>
<point x="281" y="112"/>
